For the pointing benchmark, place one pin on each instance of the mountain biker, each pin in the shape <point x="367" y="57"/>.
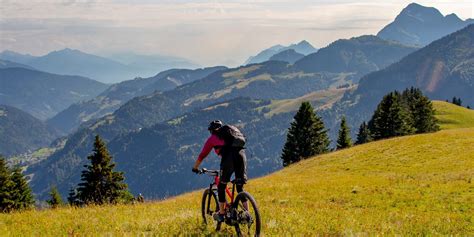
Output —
<point x="233" y="160"/>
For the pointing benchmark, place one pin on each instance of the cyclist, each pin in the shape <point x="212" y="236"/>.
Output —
<point x="233" y="160"/>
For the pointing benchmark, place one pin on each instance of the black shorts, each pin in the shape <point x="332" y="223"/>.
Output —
<point x="233" y="160"/>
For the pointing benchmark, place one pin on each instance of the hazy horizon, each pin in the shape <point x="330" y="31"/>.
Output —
<point x="206" y="32"/>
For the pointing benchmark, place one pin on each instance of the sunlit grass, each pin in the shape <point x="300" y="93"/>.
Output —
<point x="453" y="116"/>
<point x="411" y="185"/>
<point x="414" y="185"/>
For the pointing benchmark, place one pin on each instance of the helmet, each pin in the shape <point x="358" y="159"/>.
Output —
<point x="216" y="124"/>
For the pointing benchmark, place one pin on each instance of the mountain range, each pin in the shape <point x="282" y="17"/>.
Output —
<point x="9" y="64"/>
<point x="289" y="56"/>
<point x="271" y="80"/>
<point x="358" y="56"/>
<point x="442" y="70"/>
<point x="156" y="135"/>
<point x="21" y="132"/>
<point x="420" y="25"/>
<point x="303" y="47"/>
<point x="43" y="94"/>
<point x="74" y="62"/>
<point x="117" y="94"/>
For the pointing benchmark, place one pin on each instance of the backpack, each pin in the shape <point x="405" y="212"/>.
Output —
<point x="232" y="136"/>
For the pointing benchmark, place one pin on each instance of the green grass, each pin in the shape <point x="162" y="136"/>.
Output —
<point x="453" y="116"/>
<point x="414" y="185"/>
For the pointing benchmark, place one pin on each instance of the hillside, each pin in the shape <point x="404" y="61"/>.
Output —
<point x="453" y="116"/>
<point x="118" y="94"/>
<point x="154" y="153"/>
<point x="358" y="55"/>
<point x="21" y="132"/>
<point x="403" y="186"/>
<point x="420" y="25"/>
<point x="43" y="94"/>
<point x="9" y="64"/>
<point x="289" y="56"/>
<point x="442" y="70"/>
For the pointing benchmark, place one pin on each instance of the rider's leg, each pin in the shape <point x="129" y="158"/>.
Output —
<point x="240" y="164"/>
<point x="240" y="188"/>
<point x="221" y="196"/>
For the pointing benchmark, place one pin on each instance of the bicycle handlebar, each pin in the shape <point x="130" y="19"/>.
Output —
<point x="206" y="171"/>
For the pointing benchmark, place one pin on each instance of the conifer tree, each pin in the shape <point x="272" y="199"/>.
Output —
<point x="6" y="187"/>
<point x="421" y="110"/>
<point x="306" y="136"/>
<point x="21" y="193"/>
<point x="55" y="198"/>
<point x="72" y="197"/>
<point x="100" y="183"/>
<point x="391" y="118"/>
<point x="457" y="101"/>
<point x="364" y="134"/>
<point x="344" y="138"/>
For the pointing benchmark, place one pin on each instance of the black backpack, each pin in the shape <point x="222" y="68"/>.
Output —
<point x="231" y="136"/>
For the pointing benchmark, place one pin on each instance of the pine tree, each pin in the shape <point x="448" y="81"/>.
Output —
<point x="391" y="118"/>
<point x="21" y="194"/>
<point x="6" y="187"/>
<point x="72" y="197"/>
<point x="457" y="101"/>
<point x="364" y="134"/>
<point x="306" y="136"/>
<point x="100" y="183"/>
<point x="421" y="110"/>
<point x="344" y="138"/>
<point x="55" y="198"/>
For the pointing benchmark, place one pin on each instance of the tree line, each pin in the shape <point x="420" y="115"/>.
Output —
<point x="397" y="114"/>
<point x="100" y="184"/>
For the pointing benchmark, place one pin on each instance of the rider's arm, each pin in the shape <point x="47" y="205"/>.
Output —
<point x="204" y="152"/>
<point x="206" y="149"/>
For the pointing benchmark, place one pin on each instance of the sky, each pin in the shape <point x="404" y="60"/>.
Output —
<point x="219" y="32"/>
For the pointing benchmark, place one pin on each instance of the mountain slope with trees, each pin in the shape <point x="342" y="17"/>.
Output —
<point x="358" y="55"/>
<point x="420" y="25"/>
<point x="21" y="132"/>
<point x="441" y="70"/>
<point x="44" y="94"/>
<point x="118" y="94"/>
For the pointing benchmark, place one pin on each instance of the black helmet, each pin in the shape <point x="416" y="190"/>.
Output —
<point x="216" y="124"/>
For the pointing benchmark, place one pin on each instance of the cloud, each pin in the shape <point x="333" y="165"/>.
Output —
<point x="209" y="32"/>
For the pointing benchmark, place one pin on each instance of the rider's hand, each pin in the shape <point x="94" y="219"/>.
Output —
<point x="195" y="170"/>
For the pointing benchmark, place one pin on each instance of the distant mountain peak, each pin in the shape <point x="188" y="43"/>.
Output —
<point x="302" y="47"/>
<point x="304" y="42"/>
<point x="421" y="25"/>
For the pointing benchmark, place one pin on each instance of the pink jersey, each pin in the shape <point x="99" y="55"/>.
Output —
<point x="212" y="142"/>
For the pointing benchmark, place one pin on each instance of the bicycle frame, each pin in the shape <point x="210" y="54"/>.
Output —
<point x="228" y="192"/>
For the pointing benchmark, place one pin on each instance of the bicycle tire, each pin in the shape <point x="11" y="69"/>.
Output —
<point x="204" y="206"/>
<point x="256" y="213"/>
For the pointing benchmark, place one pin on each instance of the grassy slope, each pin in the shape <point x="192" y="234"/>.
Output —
<point x="417" y="184"/>
<point x="452" y="116"/>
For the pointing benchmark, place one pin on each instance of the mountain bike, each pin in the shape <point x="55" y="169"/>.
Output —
<point x="246" y="221"/>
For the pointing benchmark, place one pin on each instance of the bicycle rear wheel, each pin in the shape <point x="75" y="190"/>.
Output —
<point x="209" y="205"/>
<point x="248" y="221"/>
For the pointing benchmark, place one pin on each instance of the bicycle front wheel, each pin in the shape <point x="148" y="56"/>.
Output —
<point x="209" y="206"/>
<point x="247" y="214"/>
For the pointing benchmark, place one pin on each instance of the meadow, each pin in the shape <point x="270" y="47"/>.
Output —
<point x="413" y="185"/>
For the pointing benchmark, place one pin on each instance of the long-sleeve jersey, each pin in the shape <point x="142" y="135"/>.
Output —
<point x="212" y="142"/>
